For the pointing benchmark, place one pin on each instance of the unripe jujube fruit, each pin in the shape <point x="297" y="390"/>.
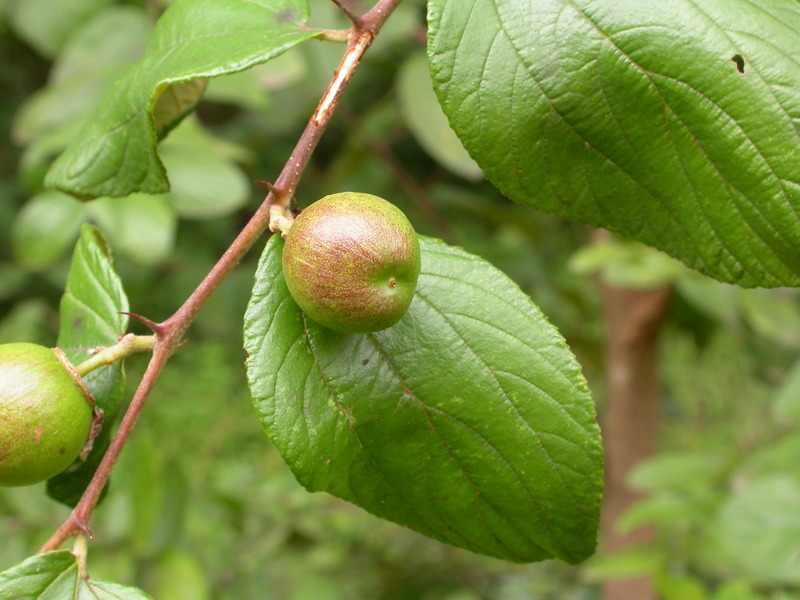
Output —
<point x="351" y="262"/>
<point x="44" y="415"/>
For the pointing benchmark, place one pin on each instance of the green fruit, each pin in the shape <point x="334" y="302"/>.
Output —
<point x="44" y="415"/>
<point x="351" y="261"/>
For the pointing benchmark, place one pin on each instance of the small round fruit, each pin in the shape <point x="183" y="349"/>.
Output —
<point x="44" y="415"/>
<point x="351" y="262"/>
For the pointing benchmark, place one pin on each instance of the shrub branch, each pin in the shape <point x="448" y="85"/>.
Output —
<point x="273" y="214"/>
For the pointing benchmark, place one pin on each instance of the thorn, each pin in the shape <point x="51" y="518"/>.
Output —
<point x="182" y="344"/>
<point x="349" y="13"/>
<point x="270" y="187"/>
<point x="156" y="327"/>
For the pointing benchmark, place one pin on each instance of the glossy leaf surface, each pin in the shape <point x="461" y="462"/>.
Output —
<point x="468" y="421"/>
<point x="675" y="123"/>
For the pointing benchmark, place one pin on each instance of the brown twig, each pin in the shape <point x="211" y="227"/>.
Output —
<point x="169" y="333"/>
<point x="346" y="10"/>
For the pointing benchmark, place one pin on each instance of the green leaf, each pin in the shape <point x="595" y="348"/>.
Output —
<point x="425" y="119"/>
<point x="37" y="157"/>
<point x="140" y="225"/>
<point x="664" y="510"/>
<point x="156" y="487"/>
<point x="115" y="154"/>
<point x="26" y="322"/>
<point x="12" y="280"/>
<point x="249" y="89"/>
<point x="110" y="42"/>
<point x="775" y="314"/>
<point x="68" y="487"/>
<point x="175" y="102"/>
<point x="91" y="307"/>
<point x="45" y="228"/>
<point x="625" y="564"/>
<point x="194" y="134"/>
<point x="178" y="576"/>
<point x="680" y="587"/>
<point x="54" y="576"/>
<point x="757" y="530"/>
<point x="737" y="590"/>
<point x="468" y="421"/>
<point x="626" y="264"/>
<point x="204" y="186"/>
<point x="634" y="116"/>
<point x="46" y="25"/>
<point x="98" y="53"/>
<point x="90" y="317"/>
<point x="684" y="472"/>
<point x="58" y="107"/>
<point x="716" y="300"/>
<point x="776" y="458"/>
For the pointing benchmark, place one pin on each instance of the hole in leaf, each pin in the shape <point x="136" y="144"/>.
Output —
<point x="739" y="60"/>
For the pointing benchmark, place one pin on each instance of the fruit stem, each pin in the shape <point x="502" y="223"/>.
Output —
<point x="129" y="344"/>
<point x="81" y="550"/>
<point x="280" y="219"/>
<point x="169" y="334"/>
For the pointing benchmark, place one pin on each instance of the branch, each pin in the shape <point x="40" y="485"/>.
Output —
<point x="168" y="335"/>
<point x="346" y="10"/>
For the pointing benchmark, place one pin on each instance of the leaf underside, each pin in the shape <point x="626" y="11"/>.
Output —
<point x="675" y="123"/>
<point x="468" y="421"/>
<point x="115" y="153"/>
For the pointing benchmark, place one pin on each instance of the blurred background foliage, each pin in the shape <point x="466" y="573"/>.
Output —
<point x="201" y="505"/>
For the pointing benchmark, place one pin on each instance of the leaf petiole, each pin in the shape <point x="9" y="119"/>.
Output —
<point x="341" y="36"/>
<point x="129" y="344"/>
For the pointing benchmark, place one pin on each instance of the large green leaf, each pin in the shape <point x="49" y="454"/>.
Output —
<point x="675" y="123"/>
<point x="468" y="420"/>
<point x="115" y="154"/>
<point x="91" y="316"/>
<point x="55" y="576"/>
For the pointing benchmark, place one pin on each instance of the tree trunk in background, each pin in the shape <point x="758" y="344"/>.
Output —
<point x="631" y="421"/>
